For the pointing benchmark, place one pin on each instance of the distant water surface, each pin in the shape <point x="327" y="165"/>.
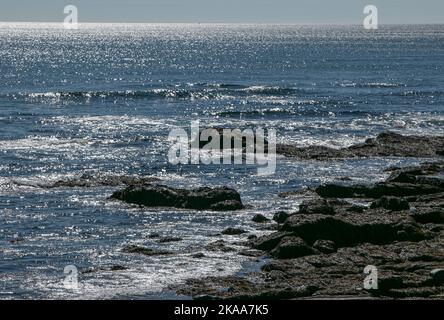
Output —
<point x="101" y="100"/>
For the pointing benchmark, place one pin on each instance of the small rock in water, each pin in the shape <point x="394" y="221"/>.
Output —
<point x="233" y="231"/>
<point x="169" y="239"/>
<point x="218" y="199"/>
<point x="259" y="218"/>
<point x="280" y="216"/>
<point x="198" y="255"/>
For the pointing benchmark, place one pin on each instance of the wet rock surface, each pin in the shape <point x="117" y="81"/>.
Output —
<point x="384" y="145"/>
<point x="321" y="250"/>
<point x="217" y="199"/>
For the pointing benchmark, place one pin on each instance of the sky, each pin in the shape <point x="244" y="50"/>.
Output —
<point x="228" y="11"/>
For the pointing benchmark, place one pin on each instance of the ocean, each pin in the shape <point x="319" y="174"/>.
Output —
<point x="100" y="102"/>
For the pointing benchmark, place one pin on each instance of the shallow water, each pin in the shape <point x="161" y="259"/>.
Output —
<point x="102" y="100"/>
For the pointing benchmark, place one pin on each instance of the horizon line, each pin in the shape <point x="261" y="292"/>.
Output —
<point x="228" y="23"/>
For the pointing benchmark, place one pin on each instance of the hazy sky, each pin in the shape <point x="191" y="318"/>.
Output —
<point x="265" y="11"/>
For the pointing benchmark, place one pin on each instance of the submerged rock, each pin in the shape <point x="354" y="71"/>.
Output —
<point x="217" y="199"/>
<point x="328" y="253"/>
<point x="375" y="191"/>
<point x="259" y="218"/>
<point x="233" y="231"/>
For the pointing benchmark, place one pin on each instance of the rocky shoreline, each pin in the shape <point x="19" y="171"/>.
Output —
<point x="321" y="250"/>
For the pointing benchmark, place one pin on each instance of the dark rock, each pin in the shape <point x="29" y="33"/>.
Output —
<point x="233" y="231"/>
<point x="219" y="245"/>
<point x="356" y="209"/>
<point x="251" y="253"/>
<point x="169" y="239"/>
<point x="117" y="268"/>
<point x="198" y="255"/>
<point x="438" y="276"/>
<point x="280" y="216"/>
<point x="390" y="203"/>
<point x="273" y="266"/>
<point x="144" y="251"/>
<point x="347" y="233"/>
<point x="325" y="246"/>
<point x="386" y="283"/>
<point x="291" y="247"/>
<point x="259" y="218"/>
<point x="227" y="139"/>
<point x="227" y="205"/>
<point x="154" y="235"/>
<point x="429" y="216"/>
<point x="423" y="174"/>
<point x="199" y="199"/>
<point x="404" y="246"/>
<point x="269" y="242"/>
<point x="252" y="237"/>
<point x="375" y="191"/>
<point x="412" y="292"/>
<point x="311" y="152"/>
<point x="111" y="268"/>
<point x="316" y="206"/>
